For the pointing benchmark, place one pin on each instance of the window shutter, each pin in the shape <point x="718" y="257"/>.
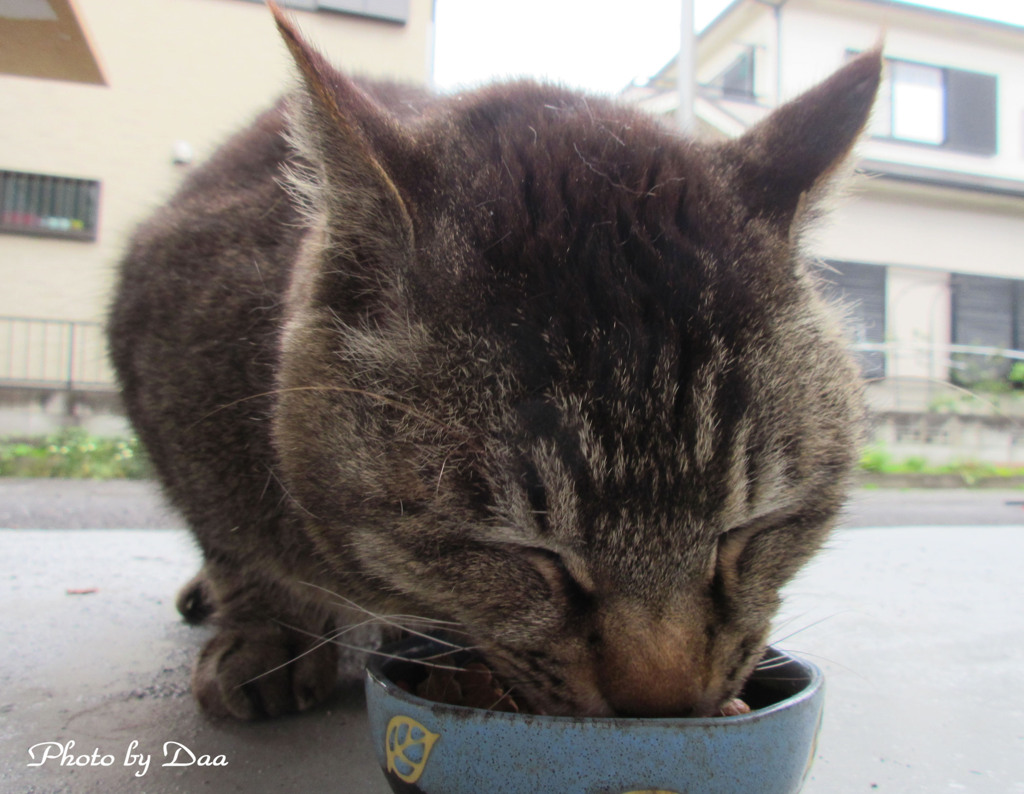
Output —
<point x="1017" y="342"/>
<point x="983" y="315"/>
<point x="982" y="311"/>
<point x="861" y="289"/>
<point x="970" y="112"/>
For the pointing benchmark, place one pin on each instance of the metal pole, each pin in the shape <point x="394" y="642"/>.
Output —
<point x="69" y="407"/>
<point x="686" y="68"/>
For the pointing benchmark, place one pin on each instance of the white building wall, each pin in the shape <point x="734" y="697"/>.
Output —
<point x="190" y="70"/>
<point x="816" y="37"/>
<point x="917" y="308"/>
<point x="879" y="226"/>
<point x="920" y="233"/>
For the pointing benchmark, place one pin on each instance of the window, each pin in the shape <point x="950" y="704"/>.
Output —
<point x="393" y="10"/>
<point x="949" y="108"/>
<point x="737" y="81"/>
<point x="861" y="290"/>
<point x="51" y="206"/>
<point x="388" y="10"/>
<point x="912" y="107"/>
<point x="989" y="313"/>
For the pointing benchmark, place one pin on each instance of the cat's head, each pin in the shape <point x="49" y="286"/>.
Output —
<point x="562" y="377"/>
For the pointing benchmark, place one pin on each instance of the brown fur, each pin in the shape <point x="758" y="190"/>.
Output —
<point x="520" y="359"/>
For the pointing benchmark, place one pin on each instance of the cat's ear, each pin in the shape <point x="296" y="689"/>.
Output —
<point x="794" y="151"/>
<point x="345" y="136"/>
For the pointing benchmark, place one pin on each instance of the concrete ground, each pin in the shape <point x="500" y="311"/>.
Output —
<point x="919" y="630"/>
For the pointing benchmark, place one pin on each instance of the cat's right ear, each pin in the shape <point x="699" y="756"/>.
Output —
<point x="791" y="154"/>
<point x="343" y="135"/>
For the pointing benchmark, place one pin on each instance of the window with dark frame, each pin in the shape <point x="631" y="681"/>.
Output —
<point x="986" y="312"/>
<point x="48" y="206"/>
<point x="948" y="108"/>
<point x="860" y="290"/>
<point x="736" y="81"/>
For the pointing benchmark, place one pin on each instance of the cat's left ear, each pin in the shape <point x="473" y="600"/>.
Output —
<point x="798" y="147"/>
<point x="348" y="139"/>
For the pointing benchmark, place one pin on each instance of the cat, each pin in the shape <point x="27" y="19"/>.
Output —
<point x="521" y="361"/>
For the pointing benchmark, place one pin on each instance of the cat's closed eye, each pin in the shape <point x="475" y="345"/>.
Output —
<point x="725" y="569"/>
<point x="575" y="586"/>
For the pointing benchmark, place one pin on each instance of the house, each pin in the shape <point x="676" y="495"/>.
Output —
<point x="928" y="247"/>
<point x="105" y="105"/>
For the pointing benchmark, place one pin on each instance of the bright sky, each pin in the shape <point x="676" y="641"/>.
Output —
<point x="600" y="45"/>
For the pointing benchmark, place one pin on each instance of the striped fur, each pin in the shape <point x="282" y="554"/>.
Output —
<point x="520" y="359"/>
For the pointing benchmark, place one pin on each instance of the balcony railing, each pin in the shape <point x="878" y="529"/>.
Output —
<point x="53" y="354"/>
<point x="62" y="354"/>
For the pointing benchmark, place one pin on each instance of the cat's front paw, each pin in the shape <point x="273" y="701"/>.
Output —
<point x="262" y="670"/>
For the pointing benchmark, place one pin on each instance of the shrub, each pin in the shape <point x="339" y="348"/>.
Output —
<point x="73" y="453"/>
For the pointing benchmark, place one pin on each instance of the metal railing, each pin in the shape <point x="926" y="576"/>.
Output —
<point x="924" y="377"/>
<point x="54" y="354"/>
<point x="944" y="352"/>
<point x="72" y="355"/>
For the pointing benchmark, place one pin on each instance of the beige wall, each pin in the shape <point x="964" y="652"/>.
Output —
<point x="927" y="228"/>
<point x="191" y="70"/>
<point x="918" y="308"/>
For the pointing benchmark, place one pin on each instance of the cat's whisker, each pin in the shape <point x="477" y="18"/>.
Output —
<point x="787" y="622"/>
<point x="792" y="634"/>
<point x="323" y="640"/>
<point x="507" y="692"/>
<point x="424" y="660"/>
<point x="771" y="664"/>
<point x="830" y="661"/>
<point x="288" y="493"/>
<point x="332" y="638"/>
<point x="422" y="619"/>
<point x="405" y="624"/>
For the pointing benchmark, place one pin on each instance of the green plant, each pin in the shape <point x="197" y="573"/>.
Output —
<point x="915" y="464"/>
<point x="875" y="460"/>
<point x="73" y="453"/>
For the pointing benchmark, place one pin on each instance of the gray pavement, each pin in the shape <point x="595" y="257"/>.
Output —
<point x="85" y="504"/>
<point x="919" y="630"/>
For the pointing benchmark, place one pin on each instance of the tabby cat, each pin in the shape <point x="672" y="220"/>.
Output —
<point x="520" y="360"/>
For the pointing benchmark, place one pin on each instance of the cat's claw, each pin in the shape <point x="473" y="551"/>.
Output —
<point x="195" y="601"/>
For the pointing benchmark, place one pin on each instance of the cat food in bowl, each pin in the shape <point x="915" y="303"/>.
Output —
<point x="451" y="748"/>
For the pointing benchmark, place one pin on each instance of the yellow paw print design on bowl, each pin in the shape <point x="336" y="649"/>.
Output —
<point x="408" y="745"/>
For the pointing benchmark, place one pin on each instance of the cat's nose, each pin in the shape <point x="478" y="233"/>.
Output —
<point x="638" y="685"/>
<point x="654" y="669"/>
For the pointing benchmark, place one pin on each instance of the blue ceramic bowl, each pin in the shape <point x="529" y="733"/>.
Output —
<point x="435" y="748"/>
